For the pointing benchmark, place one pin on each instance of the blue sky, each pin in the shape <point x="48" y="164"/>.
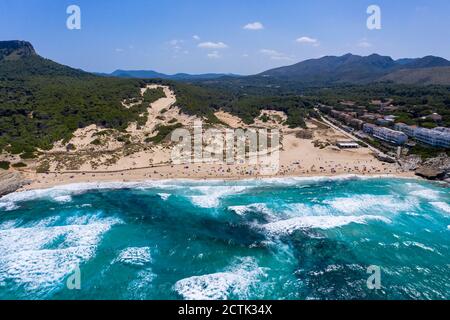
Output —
<point x="159" y="35"/>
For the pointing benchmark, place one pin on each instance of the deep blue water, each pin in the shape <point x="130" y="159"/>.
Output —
<point x="271" y="239"/>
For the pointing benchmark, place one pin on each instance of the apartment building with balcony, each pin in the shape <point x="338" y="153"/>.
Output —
<point x="438" y="137"/>
<point x="389" y="135"/>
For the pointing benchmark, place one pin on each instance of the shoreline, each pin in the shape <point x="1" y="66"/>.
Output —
<point x="105" y="180"/>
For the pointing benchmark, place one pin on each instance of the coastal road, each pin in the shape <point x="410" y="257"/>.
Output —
<point x="348" y="134"/>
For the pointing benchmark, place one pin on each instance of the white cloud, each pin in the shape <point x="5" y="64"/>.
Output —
<point x="175" y="42"/>
<point x="275" y="55"/>
<point x="308" y="40"/>
<point x="245" y="55"/>
<point x="254" y="26"/>
<point x="119" y="50"/>
<point x="196" y="37"/>
<point x="213" y="55"/>
<point x="364" y="44"/>
<point x="212" y="45"/>
<point x="176" y="45"/>
<point x="269" y="52"/>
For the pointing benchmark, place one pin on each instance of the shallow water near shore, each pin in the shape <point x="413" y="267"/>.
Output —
<point x="287" y="238"/>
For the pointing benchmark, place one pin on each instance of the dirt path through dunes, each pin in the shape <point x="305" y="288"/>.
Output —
<point x="159" y="105"/>
<point x="155" y="108"/>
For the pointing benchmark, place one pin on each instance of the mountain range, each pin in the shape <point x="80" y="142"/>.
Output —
<point x="349" y="68"/>
<point x="356" y="69"/>
<point x="346" y="69"/>
<point x="150" y="74"/>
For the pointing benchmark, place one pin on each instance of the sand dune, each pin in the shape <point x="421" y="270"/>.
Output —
<point x="127" y="157"/>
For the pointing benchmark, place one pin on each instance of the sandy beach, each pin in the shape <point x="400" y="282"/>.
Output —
<point x="303" y="152"/>
<point x="44" y="181"/>
<point x="300" y="158"/>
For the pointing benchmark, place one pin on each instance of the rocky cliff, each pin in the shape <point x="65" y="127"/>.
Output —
<point x="14" y="50"/>
<point x="10" y="182"/>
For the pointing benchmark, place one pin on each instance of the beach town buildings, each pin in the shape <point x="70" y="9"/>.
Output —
<point x="382" y="133"/>
<point x="386" y="134"/>
<point x="369" y="128"/>
<point x="437" y="137"/>
<point x="347" y="145"/>
<point x="379" y="126"/>
<point x="409" y="130"/>
<point x="389" y="135"/>
<point x="348" y="118"/>
<point x="434" y="117"/>
<point x="383" y="122"/>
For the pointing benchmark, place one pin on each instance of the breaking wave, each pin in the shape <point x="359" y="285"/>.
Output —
<point x="442" y="206"/>
<point x="211" y="195"/>
<point x="371" y="203"/>
<point x="317" y="222"/>
<point x="40" y="257"/>
<point x="135" y="256"/>
<point x="235" y="282"/>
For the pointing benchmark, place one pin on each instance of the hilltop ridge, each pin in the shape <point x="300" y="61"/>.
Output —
<point x="357" y="69"/>
<point x="15" y="50"/>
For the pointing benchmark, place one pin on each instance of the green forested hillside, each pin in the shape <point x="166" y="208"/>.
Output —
<point x="354" y="69"/>
<point x="204" y="100"/>
<point x="36" y="111"/>
<point x="413" y="102"/>
<point x="42" y="102"/>
<point x="421" y="77"/>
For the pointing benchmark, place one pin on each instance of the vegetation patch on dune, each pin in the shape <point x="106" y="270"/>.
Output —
<point x="163" y="132"/>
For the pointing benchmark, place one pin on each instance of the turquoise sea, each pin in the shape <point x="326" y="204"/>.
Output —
<point x="292" y="238"/>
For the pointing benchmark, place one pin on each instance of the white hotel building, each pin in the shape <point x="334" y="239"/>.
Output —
<point x="386" y="134"/>
<point x="390" y="135"/>
<point x="437" y="137"/>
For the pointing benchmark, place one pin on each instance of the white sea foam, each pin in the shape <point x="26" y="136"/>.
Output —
<point x="428" y="194"/>
<point x="254" y="207"/>
<point x="290" y="181"/>
<point x="10" y="224"/>
<point x="38" y="270"/>
<point x="297" y="180"/>
<point x="235" y="282"/>
<point x="63" y="199"/>
<point x="44" y="222"/>
<point x="418" y="245"/>
<point x="420" y="191"/>
<point x="38" y="258"/>
<point x="364" y="203"/>
<point x="8" y="206"/>
<point x="59" y="192"/>
<point x="164" y="196"/>
<point x="135" y="256"/>
<point x="91" y="218"/>
<point x="138" y="289"/>
<point x="169" y="184"/>
<point x="212" y="194"/>
<point x="302" y="209"/>
<point x="443" y="206"/>
<point x="318" y="222"/>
